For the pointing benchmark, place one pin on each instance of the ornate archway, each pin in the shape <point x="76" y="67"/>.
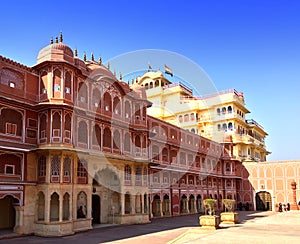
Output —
<point x="8" y="212"/>
<point x="263" y="201"/>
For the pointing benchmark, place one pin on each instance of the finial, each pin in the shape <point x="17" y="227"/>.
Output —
<point x="108" y="65"/>
<point x="115" y="74"/>
<point x="75" y="52"/>
<point x="100" y="60"/>
<point x="132" y="81"/>
<point x="60" y="37"/>
<point x="56" y="39"/>
<point x="92" y="57"/>
<point x="84" y="57"/>
<point x="136" y="80"/>
<point x="51" y="40"/>
<point x="121" y="76"/>
<point x="128" y="82"/>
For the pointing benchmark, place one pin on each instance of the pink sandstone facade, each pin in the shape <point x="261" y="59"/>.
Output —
<point x="77" y="148"/>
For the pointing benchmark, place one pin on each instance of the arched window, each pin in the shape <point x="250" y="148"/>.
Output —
<point x="68" y="124"/>
<point x="43" y="85"/>
<point x="82" y="93"/>
<point x="193" y="130"/>
<point x="56" y="83"/>
<point x="42" y="169"/>
<point x="138" y="176"/>
<point x="68" y="82"/>
<point x="230" y="126"/>
<point x="54" y="207"/>
<point x="43" y="128"/>
<point x="107" y="139"/>
<point x="137" y="142"/>
<point x="127" y="142"/>
<point x="82" y="132"/>
<point x="82" y="172"/>
<point x="55" y="169"/>
<point x="229" y="109"/>
<point x="41" y="206"/>
<point x="116" y="140"/>
<point x="218" y="111"/>
<point x="165" y="156"/>
<point x="219" y="127"/>
<point x="186" y="118"/>
<point x="223" y="110"/>
<point x="224" y="127"/>
<point x="66" y="207"/>
<point x="145" y="174"/>
<point x="81" y="205"/>
<point x="127" y="174"/>
<point x="96" y="100"/>
<point x="56" y="126"/>
<point x="155" y="152"/>
<point x="117" y="106"/>
<point x="96" y="135"/>
<point x="107" y="102"/>
<point x="11" y="122"/>
<point x="192" y="116"/>
<point x="127" y="110"/>
<point x="180" y="118"/>
<point x="151" y="85"/>
<point x="67" y="170"/>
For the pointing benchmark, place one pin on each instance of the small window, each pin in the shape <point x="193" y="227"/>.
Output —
<point x="82" y="99"/>
<point x="44" y="91"/>
<point x="32" y="122"/>
<point x="57" y="88"/>
<point x="68" y="90"/>
<point x="11" y="128"/>
<point x="9" y="169"/>
<point x="12" y="85"/>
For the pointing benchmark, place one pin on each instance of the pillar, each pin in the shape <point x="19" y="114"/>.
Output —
<point x="122" y="202"/>
<point x="195" y="205"/>
<point x="19" y="224"/>
<point x="294" y="205"/>
<point x="60" y="214"/>
<point x="160" y="207"/>
<point x="47" y="208"/>
<point x="132" y="203"/>
<point x="142" y="199"/>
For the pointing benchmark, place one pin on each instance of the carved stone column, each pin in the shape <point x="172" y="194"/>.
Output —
<point x="294" y="205"/>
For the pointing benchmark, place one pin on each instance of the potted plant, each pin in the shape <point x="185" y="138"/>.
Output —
<point x="210" y="221"/>
<point x="229" y="216"/>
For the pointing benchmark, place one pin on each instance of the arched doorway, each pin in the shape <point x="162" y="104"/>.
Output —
<point x="106" y="200"/>
<point x="8" y="213"/>
<point x="96" y="209"/>
<point x="156" y="206"/>
<point x="263" y="201"/>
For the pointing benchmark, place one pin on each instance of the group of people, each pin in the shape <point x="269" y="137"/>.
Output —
<point x="284" y="207"/>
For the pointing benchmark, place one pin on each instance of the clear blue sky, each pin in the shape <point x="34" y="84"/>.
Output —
<point x="250" y="45"/>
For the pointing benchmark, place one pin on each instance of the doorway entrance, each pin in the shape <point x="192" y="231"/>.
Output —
<point x="8" y="212"/>
<point x="96" y="209"/>
<point x="263" y="201"/>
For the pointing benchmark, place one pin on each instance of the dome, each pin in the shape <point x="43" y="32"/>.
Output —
<point x="56" y="52"/>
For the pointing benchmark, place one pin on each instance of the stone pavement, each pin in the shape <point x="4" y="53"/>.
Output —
<point x="255" y="227"/>
<point x="259" y="227"/>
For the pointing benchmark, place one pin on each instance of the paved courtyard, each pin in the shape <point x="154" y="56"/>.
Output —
<point x="259" y="227"/>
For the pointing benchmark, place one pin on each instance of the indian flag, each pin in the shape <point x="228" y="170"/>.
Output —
<point x="168" y="70"/>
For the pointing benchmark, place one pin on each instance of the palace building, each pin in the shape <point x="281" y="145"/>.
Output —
<point x="220" y="117"/>
<point x="78" y="148"/>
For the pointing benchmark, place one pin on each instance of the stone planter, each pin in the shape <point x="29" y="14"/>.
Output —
<point x="229" y="218"/>
<point x="209" y="221"/>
